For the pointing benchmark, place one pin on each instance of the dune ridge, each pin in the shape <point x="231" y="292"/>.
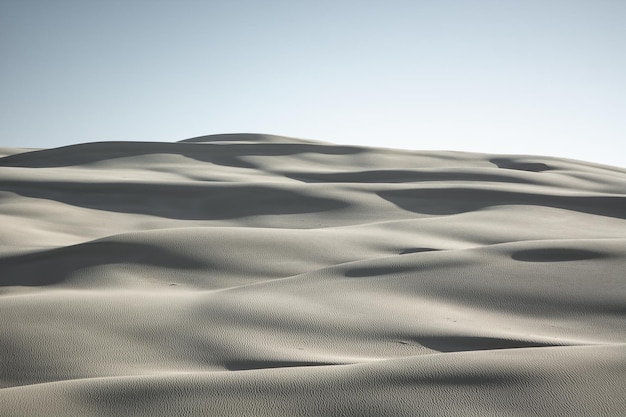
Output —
<point x="249" y="275"/>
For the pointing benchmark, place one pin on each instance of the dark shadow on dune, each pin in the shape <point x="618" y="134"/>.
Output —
<point x="226" y="154"/>
<point x="177" y="201"/>
<point x="444" y="201"/>
<point x="510" y="163"/>
<point x="402" y="176"/>
<point x="57" y="265"/>
<point x="375" y="271"/>
<point x="417" y="250"/>
<point x="247" y="365"/>
<point x="389" y="266"/>
<point x="20" y="366"/>
<point x="245" y="137"/>
<point x="470" y="343"/>
<point x="235" y="137"/>
<point x="555" y="255"/>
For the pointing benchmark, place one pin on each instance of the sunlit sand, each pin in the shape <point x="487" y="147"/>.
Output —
<point x="257" y="275"/>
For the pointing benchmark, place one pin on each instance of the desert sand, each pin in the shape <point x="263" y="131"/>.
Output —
<point x="257" y="275"/>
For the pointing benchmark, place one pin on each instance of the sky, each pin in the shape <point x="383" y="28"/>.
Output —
<point x="542" y="77"/>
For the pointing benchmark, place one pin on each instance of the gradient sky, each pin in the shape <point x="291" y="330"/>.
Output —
<point x="541" y="77"/>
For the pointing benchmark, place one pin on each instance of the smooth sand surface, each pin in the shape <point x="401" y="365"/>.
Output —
<point x="257" y="275"/>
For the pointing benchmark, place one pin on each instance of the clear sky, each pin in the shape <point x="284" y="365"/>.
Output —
<point x="526" y="76"/>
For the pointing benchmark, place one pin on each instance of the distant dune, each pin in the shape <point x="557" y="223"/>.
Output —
<point x="259" y="275"/>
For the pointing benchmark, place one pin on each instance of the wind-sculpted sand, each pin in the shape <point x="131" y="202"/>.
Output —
<point x="257" y="275"/>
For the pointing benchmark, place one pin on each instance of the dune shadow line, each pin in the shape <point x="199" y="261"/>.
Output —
<point x="226" y="154"/>
<point x="444" y="201"/>
<point x="248" y="365"/>
<point x="178" y="201"/>
<point x="509" y="163"/>
<point x="57" y="265"/>
<point x="471" y="343"/>
<point x="402" y="176"/>
<point x="556" y="255"/>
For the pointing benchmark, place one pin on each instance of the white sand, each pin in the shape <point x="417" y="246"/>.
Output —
<point x="254" y="275"/>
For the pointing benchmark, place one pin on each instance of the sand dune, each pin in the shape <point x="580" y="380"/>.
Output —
<point x="248" y="275"/>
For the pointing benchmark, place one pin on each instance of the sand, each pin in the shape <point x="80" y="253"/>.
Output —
<point x="258" y="275"/>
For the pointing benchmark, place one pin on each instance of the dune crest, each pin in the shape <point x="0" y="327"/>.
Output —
<point x="252" y="274"/>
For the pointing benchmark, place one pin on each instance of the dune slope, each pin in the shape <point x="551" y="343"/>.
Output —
<point x="247" y="275"/>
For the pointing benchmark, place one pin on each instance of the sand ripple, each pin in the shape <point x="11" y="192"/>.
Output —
<point x="252" y="275"/>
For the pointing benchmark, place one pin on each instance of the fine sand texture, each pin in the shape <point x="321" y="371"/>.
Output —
<point x="258" y="275"/>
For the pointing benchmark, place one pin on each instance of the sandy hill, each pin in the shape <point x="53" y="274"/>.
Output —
<point x="254" y="275"/>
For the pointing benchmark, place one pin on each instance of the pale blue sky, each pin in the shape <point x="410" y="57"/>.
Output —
<point x="535" y="77"/>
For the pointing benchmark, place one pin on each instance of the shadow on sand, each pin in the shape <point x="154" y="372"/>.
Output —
<point x="178" y="201"/>
<point x="443" y="201"/>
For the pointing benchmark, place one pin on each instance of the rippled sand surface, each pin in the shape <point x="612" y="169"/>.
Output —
<point x="257" y="275"/>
